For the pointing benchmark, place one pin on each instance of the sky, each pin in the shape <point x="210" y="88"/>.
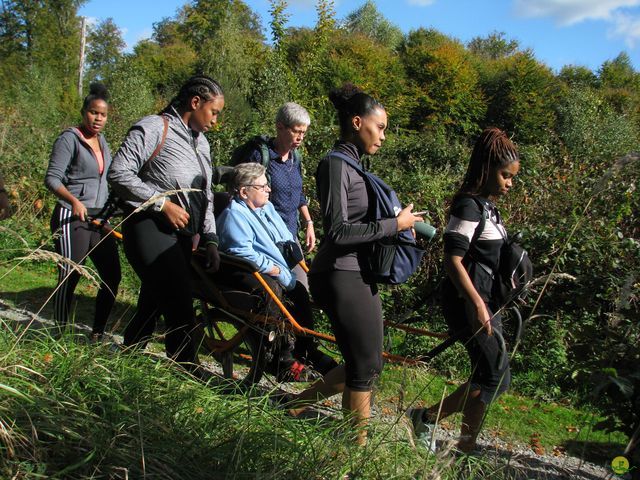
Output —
<point x="560" y="32"/>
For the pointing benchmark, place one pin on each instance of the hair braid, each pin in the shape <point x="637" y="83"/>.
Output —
<point x="198" y="85"/>
<point x="493" y="147"/>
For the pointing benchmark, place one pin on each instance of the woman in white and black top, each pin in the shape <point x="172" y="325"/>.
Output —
<point x="470" y="257"/>
<point x="158" y="240"/>
<point x="77" y="175"/>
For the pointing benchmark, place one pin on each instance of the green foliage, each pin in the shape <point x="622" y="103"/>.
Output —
<point x="523" y="93"/>
<point x="577" y="76"/>
<point x="166" y="61"/>
<point x="39" y="33"/>
<point x="131" y="99"/>
<point x="590" y="127"/>
<point x="104" y="48"/>
<point x="493" y="46"/>
<point x="367" y="20"/>
<point x="278" y="21"/>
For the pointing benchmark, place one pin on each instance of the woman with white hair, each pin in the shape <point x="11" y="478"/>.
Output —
<point x="282" y="160"/>
<point x="250" y="228"/>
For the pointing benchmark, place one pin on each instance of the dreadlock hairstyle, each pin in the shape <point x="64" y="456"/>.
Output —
<point x="97" y="91"/>
<point x="493" y="148"/>
<point x="350" y="102"/>
<point x="200" y="85"/>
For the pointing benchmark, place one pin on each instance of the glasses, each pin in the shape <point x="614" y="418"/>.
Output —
<point x="298" y="132"/>
<point x="260" y="188"/>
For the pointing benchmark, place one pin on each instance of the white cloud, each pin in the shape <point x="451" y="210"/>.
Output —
<point x="628" y="27"/>
<point x="420" y="3"/>
<point x="569" y="12"/>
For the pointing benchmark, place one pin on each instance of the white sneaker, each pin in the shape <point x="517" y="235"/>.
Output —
<point x="424" y="432"/>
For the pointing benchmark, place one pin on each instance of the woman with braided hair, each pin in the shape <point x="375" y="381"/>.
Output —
<point x="468" y="302"/>
<point x="163" y="169"/>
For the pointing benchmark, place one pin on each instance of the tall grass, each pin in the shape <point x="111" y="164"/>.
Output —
<point x="71" y="410"/>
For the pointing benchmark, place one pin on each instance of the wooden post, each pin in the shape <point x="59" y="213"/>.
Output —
<point x="83" y="34"/>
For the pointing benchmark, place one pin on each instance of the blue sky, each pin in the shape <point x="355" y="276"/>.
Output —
<point x="560" y="32"/>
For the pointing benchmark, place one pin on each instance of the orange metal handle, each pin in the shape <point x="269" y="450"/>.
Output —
<point x="111" y="231"/>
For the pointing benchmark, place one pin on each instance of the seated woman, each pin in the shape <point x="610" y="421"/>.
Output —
<point x="250" y="228"/>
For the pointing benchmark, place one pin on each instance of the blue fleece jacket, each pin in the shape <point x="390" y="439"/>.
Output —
<point x="240" y="233"/>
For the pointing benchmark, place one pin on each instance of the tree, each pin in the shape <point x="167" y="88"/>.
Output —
<point x="578" y="76"/>
<point x="619" y="73"/>
<point x="104" y="48"/>
<point x="523" y="94"/>
<point x="41" y="33"/>
<point x="493" y="46"/>
<point x="278" y="21"/>
<point x="621" y="85"/>
<point x="367" y="20"/>
<point x="444" y="82"/>
<point x="202" y="20"/>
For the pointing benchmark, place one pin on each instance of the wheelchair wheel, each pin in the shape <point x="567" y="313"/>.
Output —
<point x="239" y="349"/>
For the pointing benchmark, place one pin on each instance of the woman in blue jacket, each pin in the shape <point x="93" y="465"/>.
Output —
<point x="250" y="227"/>
<point x="77" y="175"/>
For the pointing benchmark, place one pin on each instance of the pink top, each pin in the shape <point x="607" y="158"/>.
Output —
<point x="97" y="152"/>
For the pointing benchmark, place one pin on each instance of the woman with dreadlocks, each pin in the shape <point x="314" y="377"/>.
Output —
<point x="163" y="172"/>
<point x="470" y="256"/>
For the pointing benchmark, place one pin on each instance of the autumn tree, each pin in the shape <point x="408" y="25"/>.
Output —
<point x="444" y="82"/>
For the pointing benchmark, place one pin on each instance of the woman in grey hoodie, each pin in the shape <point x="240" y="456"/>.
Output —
<point x="77" y="175"/>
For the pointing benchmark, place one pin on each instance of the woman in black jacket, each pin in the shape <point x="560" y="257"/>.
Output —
<point x="77" y="175"/>
<point x="339" y="278"/>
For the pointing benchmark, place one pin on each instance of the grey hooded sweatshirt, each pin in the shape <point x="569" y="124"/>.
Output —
<point x="184" y="162"/>
<point x="74" y="165"/>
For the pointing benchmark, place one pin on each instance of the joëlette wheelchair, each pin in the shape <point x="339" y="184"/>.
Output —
<point x="243" y="329"/>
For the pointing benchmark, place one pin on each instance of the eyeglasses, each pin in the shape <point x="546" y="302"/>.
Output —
<point x="298" y="132"/>
<point x="260" y="188"/>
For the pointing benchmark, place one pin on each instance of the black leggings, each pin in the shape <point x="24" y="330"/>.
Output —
<point x="355" y="312"/>
<point x="74" y="240"/>
<point x="483" y="350"/>
<point x="161" y="258"/>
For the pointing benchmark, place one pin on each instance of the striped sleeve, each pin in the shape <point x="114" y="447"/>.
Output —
<point x="463" y="221"/>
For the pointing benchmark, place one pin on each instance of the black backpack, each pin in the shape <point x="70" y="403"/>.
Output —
<point x="515" y="269"/>
<point x="260" y="142"/>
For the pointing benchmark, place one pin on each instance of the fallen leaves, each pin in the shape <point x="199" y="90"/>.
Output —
<point x="535" y="443"/>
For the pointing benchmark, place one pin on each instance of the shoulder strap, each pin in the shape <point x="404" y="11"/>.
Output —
<point x="297" y="158"/>
<point x="165" y="129"/>
<point x="349" y="161"/>
<point x="484" y="215"/>
<point x="264" y="153"/>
